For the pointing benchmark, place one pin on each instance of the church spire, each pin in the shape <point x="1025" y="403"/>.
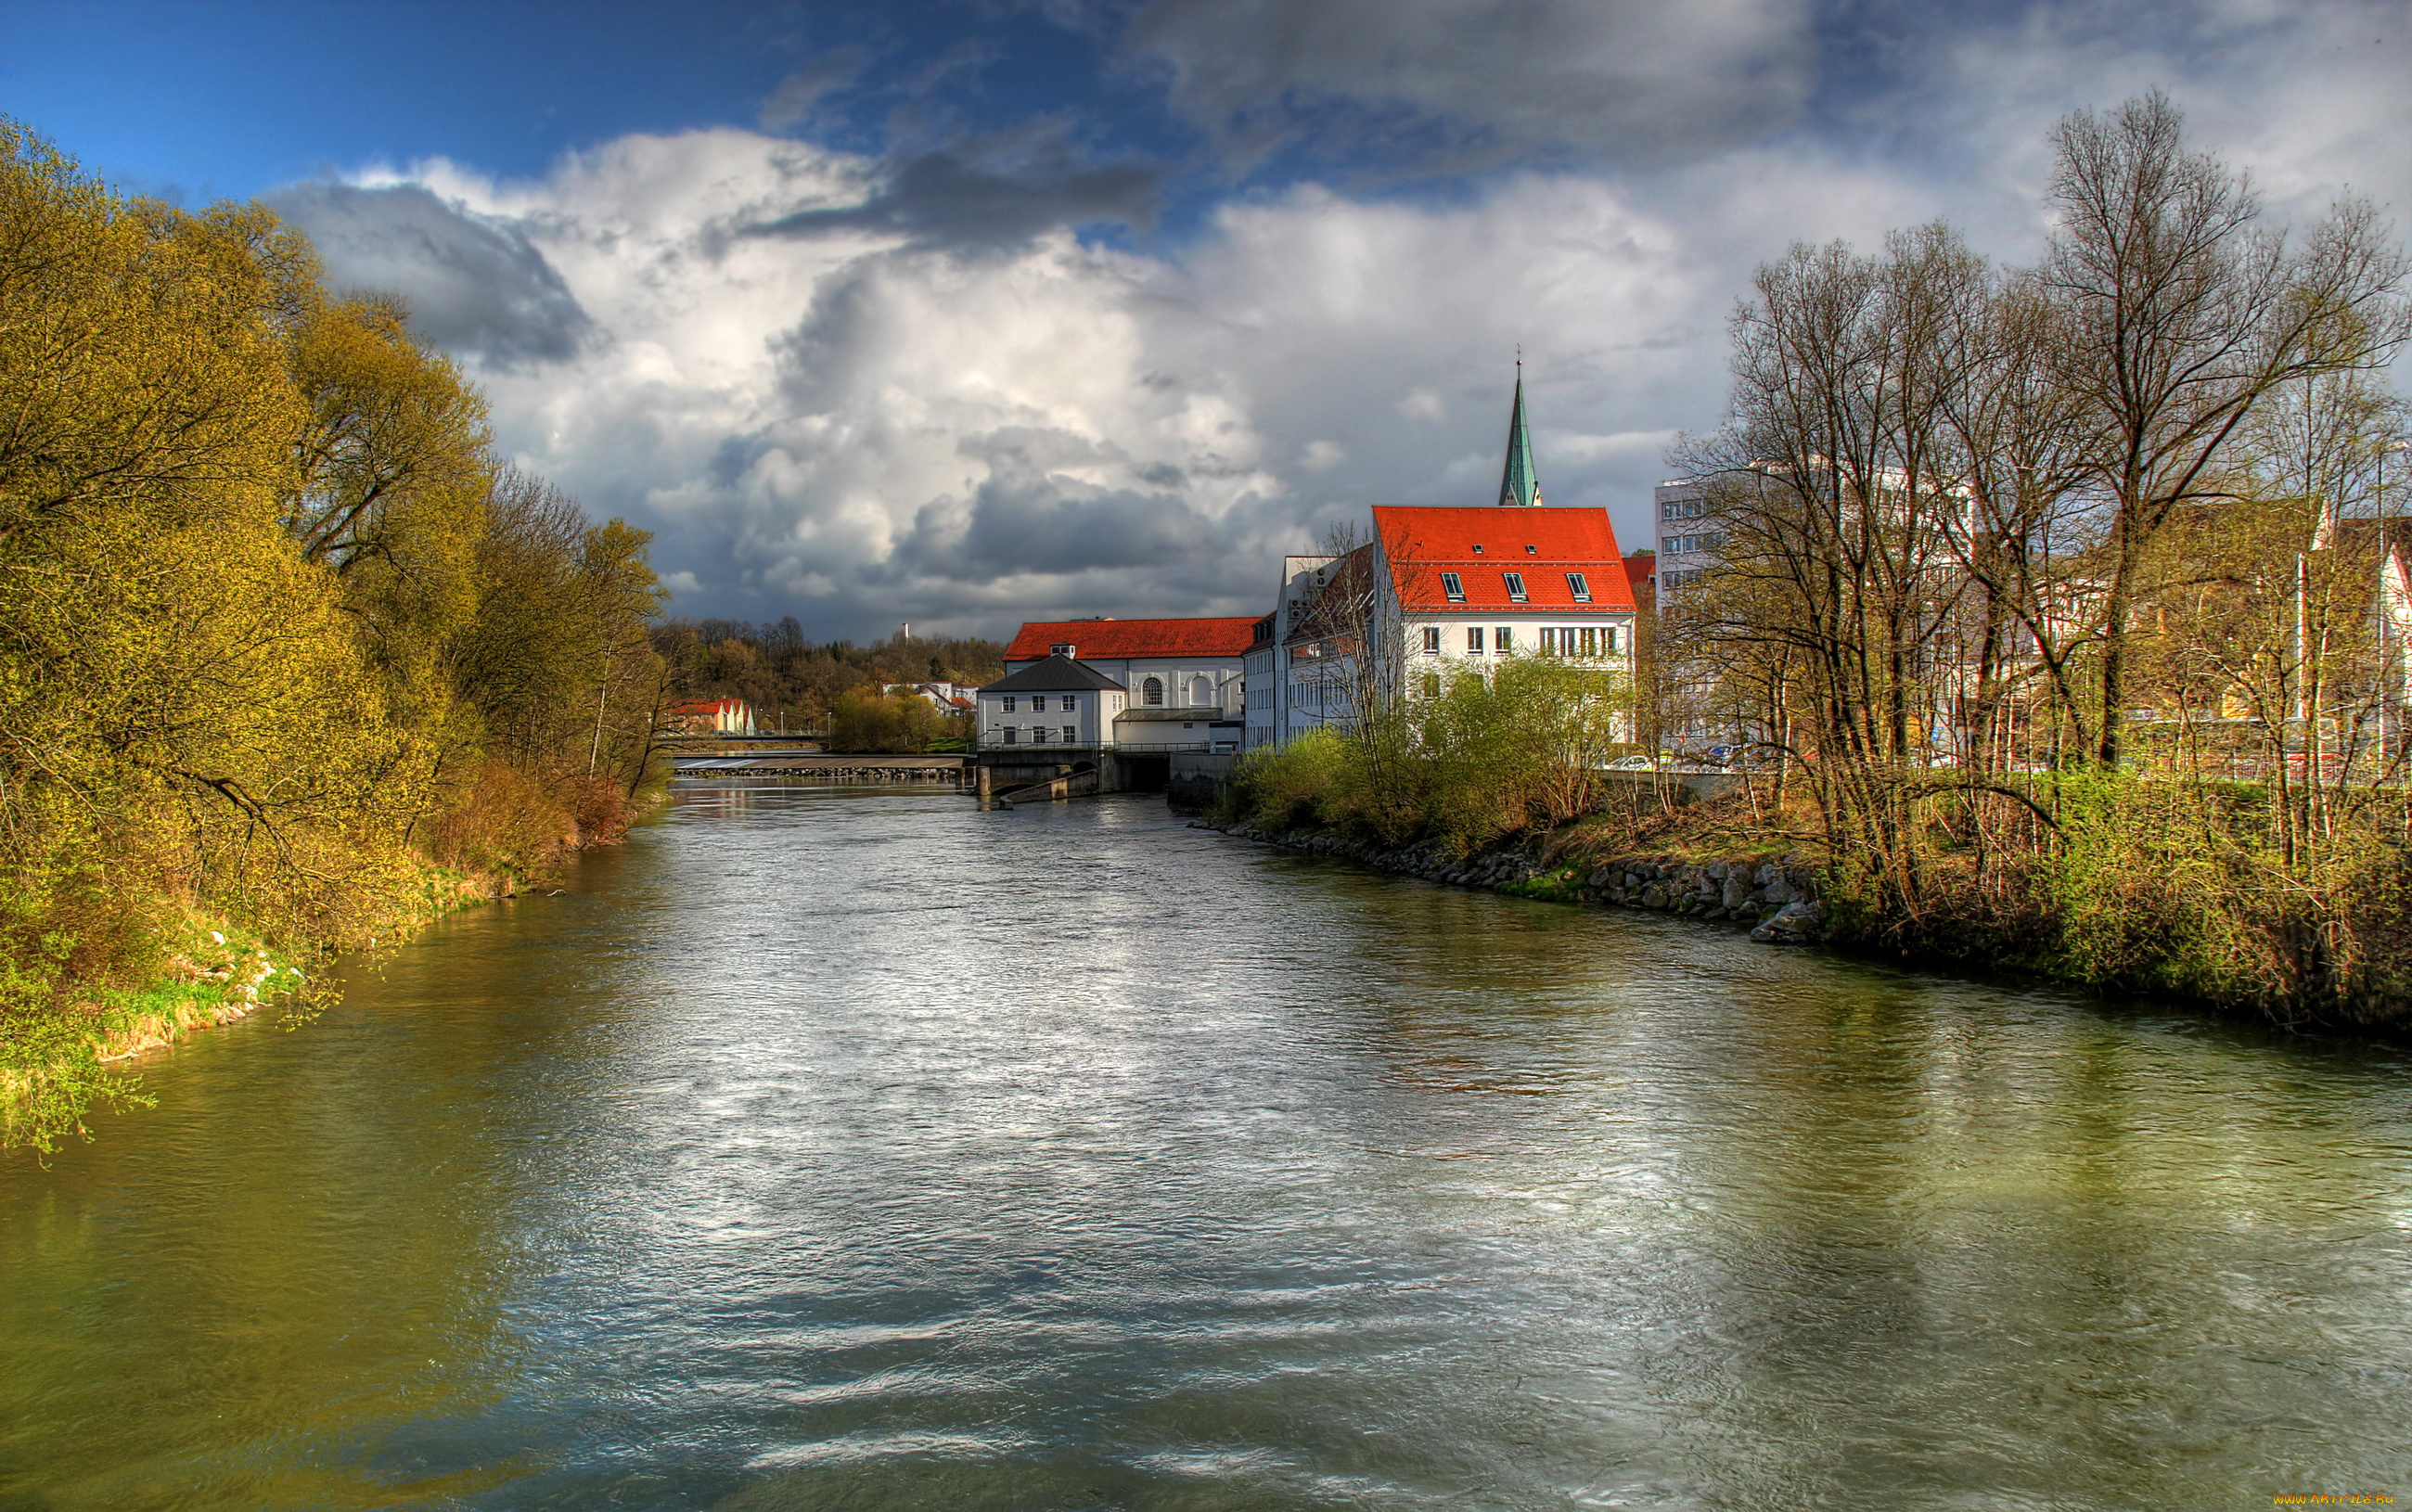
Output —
<point x="1517" y="483"/>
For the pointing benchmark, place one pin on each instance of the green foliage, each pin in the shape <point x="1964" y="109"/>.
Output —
<point x="864" y="720"/>
<point x="1473" y="759"/>
<point x="1310" y="780"/>
<point x="795" y="684"/>
<point x="275" y="629"/>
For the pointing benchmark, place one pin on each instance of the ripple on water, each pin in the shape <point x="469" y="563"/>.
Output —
<point x="849" y="1150"/>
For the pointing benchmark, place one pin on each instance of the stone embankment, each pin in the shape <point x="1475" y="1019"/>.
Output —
<point x="1776" y="899"/>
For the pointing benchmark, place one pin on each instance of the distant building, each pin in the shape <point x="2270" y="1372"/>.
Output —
<point x="1688" y="543"/>
<point x="1642" y="574"/>
<point x="1441" y="590"/>
<point x="708" y="717"/>
<point x="947" y="698"/>
<point x="1182" y="677"/>
<point x="1056" y="703"/>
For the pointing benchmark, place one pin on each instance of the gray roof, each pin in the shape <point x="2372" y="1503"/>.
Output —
<point x="1056" y="674"/>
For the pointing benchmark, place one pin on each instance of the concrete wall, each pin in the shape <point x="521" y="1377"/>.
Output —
<point x="1197" y="778"/>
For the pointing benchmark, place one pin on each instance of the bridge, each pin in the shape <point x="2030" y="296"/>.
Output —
<point x="947" y="771"/>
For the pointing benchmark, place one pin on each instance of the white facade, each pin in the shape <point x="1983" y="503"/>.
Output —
<point x="1305" y="675"/>
<point x="1688" y="542"/>
<point x="1276" y="707"/>
<point x="1051" y="718"/>
<point x="1206" y="686"/>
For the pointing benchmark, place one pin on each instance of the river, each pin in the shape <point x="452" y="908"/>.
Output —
<point x="865" y="1151"/>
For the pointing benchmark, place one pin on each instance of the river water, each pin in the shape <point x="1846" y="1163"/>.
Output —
<point x="867" y="1150"/>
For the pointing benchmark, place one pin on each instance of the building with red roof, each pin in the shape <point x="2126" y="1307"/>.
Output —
<point x="1641" y="574"/>
<point x="1441" y="592"/>
<point x="1121" y="641"/>
<point x="708" y="717"/>
<point x="1180" y="682"/>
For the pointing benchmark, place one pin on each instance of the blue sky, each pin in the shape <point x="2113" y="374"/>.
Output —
<point x="963" y="313"/>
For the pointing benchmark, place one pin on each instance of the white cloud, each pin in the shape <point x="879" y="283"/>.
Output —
<point x="835" y="400"/>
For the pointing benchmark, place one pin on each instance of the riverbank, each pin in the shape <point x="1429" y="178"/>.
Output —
<point x="1705" y="866"/>
<point x="1774" y="899"/>
<point x="210" y="973"/>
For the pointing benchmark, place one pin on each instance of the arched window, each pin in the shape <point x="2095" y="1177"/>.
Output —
<point x="1151" y="692"/>
<point x="1202" y="692"/>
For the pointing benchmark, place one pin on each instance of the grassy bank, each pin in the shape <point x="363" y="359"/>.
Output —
<point x="287" y="651"/>
<point x="2138" y="883"/>
<point x="193" y="968"/>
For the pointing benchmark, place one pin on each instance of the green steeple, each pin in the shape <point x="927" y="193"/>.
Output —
<point x="1517" y="484"/>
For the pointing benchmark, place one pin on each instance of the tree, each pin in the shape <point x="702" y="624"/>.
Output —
<point x="2179" y="312"/>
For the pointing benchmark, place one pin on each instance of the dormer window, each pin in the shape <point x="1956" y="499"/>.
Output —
<point x="1477" y="550"/>
<point x="1532" y="550"/>
<point x="1453" y="586"/>
<point x="1515" y="586"/>
<point x="1579" y="586"/>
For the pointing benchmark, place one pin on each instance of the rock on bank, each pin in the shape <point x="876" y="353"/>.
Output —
<point x="1777" y="899"/>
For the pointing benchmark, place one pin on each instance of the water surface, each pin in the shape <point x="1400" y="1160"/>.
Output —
<point x="840" y="1151"/>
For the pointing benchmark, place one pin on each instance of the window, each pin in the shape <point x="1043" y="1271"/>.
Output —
<point x="1477" y="550"/>
<point x="1579" y="586"/>
<point x="1515" y="586"/>
<point x="1474" y="641"/>
<point x="1202" y="692"/>
<point x="1432" y="684"/>
<point x="1453" y="587"/>
<point x="1549" y="642"/>
<point x="1151" y="692"/>
<point x="1009" y="703"/>
<point x="1432" y="640"/>
<point x="1504" y="640"/>
<point x="1008" y="734"/>
<point x="1609" y="636"/>
<point x="1070" y="704"/>
<point x="1072" y="735"/>
<point x="1532" y="550"/>
<point x="1590" y="642"/>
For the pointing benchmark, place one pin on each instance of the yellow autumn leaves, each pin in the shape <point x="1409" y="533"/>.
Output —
<point x="273" y="621"/>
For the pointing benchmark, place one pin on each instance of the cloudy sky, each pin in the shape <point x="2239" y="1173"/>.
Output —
<point x="968" y="313"/>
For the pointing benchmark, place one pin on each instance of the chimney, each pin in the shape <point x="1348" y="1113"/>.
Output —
<point x="1066" y="650"/>
<point x="906" y="634"/>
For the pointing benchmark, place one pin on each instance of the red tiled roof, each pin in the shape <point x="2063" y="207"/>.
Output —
<point x="1639" y="567"/>
<point x="1113" y="640"/>
<point x="702" y="706"/>
<point x="1423" y="543"/>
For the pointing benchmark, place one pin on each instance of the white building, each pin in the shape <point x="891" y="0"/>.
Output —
<point x="1181" y="680"/>
<point x="1688" y="543"/>
<point x="1268" y="717"/>
<point x="1057" y="703"/>
<point x="1442" y="591"/>
<point x="946" y="697"/>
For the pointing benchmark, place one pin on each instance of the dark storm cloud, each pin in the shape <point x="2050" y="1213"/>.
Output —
<point x="947" y="197"/>
<point x="477" y="285"/>
<point x="1026" y="517"/>
<point x="1450" y="81"/>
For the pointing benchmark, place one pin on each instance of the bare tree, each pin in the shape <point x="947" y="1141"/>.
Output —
<point x="2179" y="312"/>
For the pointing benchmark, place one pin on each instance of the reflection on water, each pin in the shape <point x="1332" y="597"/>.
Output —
<point x="849" y="1150"/>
